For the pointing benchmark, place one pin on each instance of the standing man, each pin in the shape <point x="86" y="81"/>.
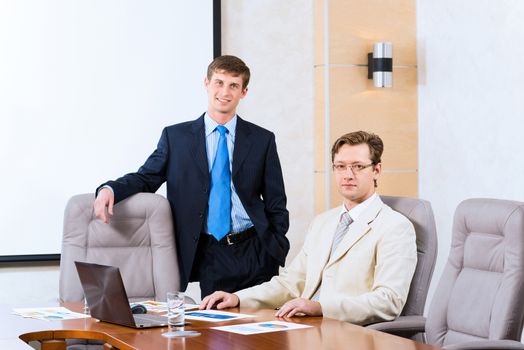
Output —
<point x="358" y="259"/>
<point x="224" y="185"/>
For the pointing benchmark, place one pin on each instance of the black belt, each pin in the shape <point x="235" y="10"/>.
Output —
<point x="234" y="238"/>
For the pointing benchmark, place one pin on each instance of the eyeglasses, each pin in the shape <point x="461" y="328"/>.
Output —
<point x="355" y="168"/>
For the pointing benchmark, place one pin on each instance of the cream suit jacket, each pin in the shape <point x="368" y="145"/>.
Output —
<point x="365" y="280"/>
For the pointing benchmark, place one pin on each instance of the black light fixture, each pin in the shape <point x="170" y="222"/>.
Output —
<point x="380" y="65"/>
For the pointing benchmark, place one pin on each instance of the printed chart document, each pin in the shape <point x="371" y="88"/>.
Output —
<point x="261" y="327"/>
<point x="214" y="315"/>
<point x="49" y="313"/>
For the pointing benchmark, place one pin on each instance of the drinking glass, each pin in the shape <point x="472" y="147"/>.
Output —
<point x="86" y="307"/>
<point x="175" y="309"/>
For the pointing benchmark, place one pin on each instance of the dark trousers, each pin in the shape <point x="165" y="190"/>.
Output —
<point x="229" y="268"/>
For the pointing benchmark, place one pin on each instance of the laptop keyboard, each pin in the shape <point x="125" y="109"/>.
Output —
<point x="146" y="318"/>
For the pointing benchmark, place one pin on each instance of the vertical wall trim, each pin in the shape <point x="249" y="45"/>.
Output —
<point x="327" y="104"/>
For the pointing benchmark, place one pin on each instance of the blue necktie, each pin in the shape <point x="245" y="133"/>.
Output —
<point x="218" y="219"/>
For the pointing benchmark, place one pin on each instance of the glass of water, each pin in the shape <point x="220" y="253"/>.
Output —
<point x="175" y="309"/>
<point x="86" y="307"/>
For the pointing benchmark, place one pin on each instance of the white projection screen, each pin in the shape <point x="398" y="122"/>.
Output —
<point x="86" y="87"/>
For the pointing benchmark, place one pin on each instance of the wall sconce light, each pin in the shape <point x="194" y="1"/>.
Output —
<point x="380" y="65"/>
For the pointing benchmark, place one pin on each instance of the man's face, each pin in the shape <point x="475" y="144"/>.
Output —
<point x="224" y="92"/>
<point x="355" y="185"/>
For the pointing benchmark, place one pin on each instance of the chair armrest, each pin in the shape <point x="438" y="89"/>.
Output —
<point x="403" y="325"/>
<point x="486" y="345"/>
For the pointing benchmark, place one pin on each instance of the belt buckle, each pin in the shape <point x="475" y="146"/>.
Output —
<point x="228" y="240"/>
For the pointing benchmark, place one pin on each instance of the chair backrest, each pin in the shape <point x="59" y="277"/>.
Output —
<point x="139" y="240"/>
<point x="419" y="212"/>
<point x="481" y="291"/>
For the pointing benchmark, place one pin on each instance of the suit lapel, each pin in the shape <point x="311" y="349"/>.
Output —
<point x="357" y="229"/>
<point x="242" y="144"/>
<point x="199" y="145"/>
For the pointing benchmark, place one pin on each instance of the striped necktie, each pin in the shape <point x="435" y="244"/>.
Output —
<point x="341" y="230"/>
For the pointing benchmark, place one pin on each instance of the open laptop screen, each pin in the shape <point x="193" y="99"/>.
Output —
<point x="105" y="293"/>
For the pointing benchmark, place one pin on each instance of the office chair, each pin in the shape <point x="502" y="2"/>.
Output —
<point x="419" y="212"/>
<point x="478" y="301"/>
<point x="139" y="239"/>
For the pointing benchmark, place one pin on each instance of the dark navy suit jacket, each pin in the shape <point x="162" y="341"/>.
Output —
<point x="180" y="159"/>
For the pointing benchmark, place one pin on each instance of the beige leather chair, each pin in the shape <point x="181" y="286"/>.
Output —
<point x="478" y="303"/>
<point x="139" y="240"/>
<point x="419" y="212"/>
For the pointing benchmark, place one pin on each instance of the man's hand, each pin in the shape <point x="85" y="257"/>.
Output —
<point x="222" y="300"/>
<point x="305" y="306"/>
<point x="105" y="199"/>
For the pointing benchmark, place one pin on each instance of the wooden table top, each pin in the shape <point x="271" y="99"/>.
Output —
<point x="325" y="334"/>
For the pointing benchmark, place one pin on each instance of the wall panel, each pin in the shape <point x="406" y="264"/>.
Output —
<point x="347" y="101"/>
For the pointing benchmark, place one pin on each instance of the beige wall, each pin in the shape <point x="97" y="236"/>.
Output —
<point x="345" y="100"/>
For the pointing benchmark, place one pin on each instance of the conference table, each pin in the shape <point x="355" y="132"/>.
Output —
<point x="325" y="333"/>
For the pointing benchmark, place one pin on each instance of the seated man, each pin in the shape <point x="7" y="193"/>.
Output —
<point x="358" y="259"/>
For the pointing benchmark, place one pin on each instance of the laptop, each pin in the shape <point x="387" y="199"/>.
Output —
<point x="107" y="298"/>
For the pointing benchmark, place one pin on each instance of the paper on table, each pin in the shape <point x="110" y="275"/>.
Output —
<point x="48" y="313"/>
<point x="214" y="315"/>
<point x="261" y="327"/>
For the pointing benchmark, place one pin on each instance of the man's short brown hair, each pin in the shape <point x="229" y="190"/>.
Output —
<point x="230" y="64"/>
<point x="375" y="144"/>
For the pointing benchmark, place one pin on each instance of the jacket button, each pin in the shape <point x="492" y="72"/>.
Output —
<point x="195" y="238"/>
<point x="205" y="190"/>
<point x="200" y="215"/>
